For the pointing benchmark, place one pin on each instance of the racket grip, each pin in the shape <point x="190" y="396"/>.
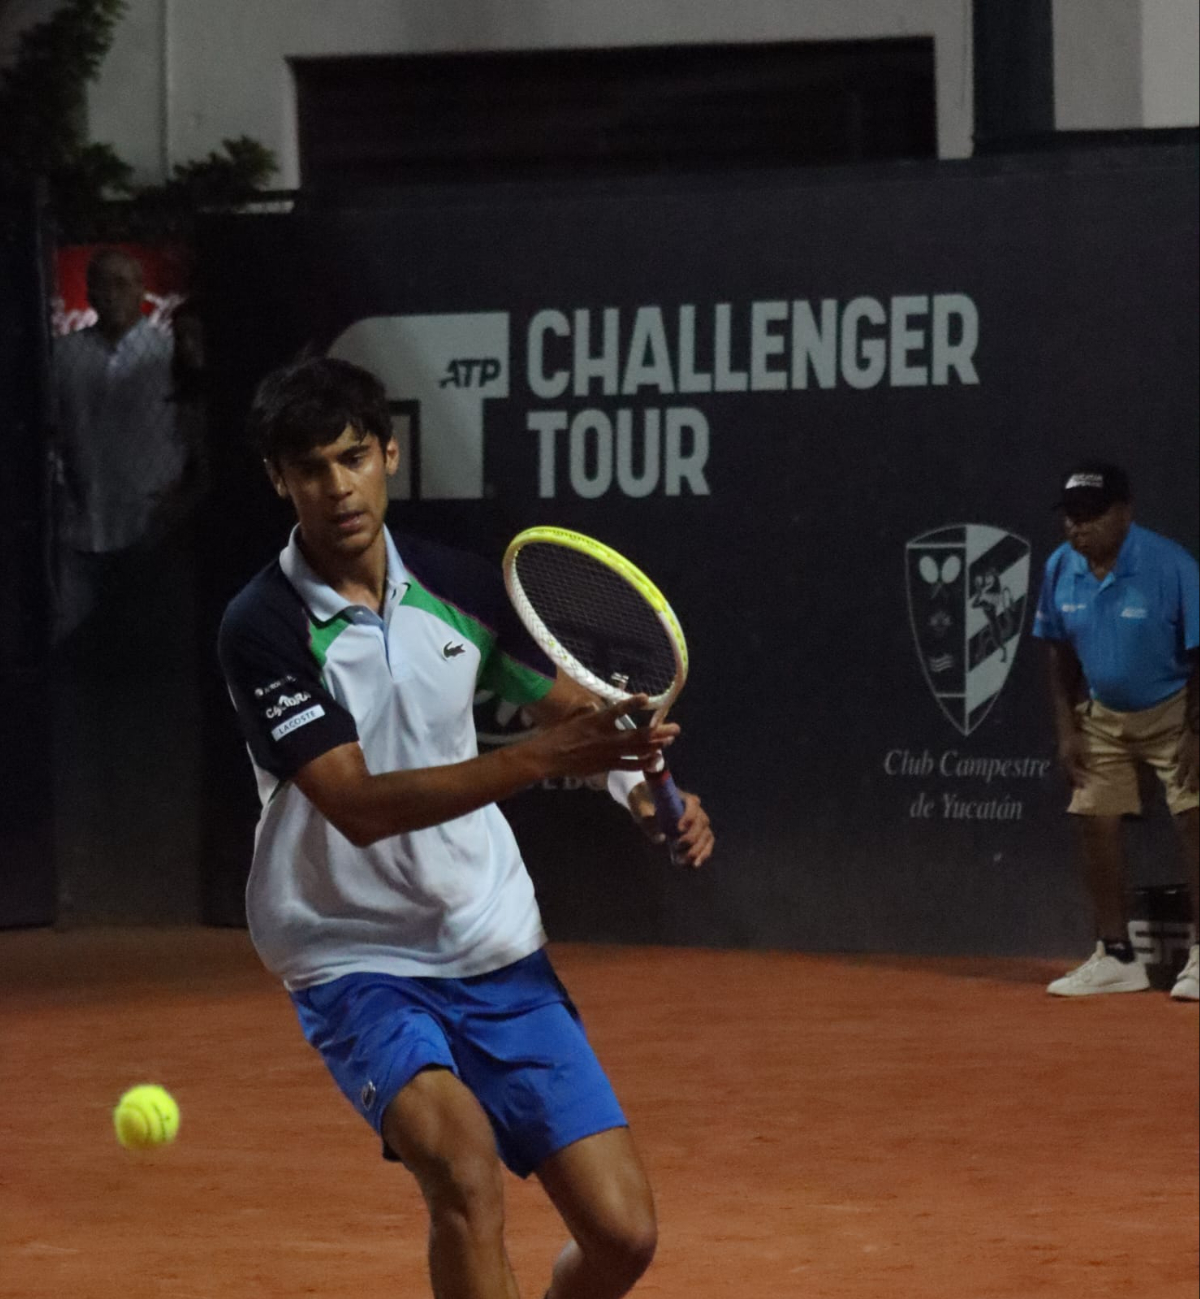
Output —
<point x="668" y="802"/>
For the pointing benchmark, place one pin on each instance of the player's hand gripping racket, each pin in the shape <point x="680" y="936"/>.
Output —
<point x="608" y="627"/>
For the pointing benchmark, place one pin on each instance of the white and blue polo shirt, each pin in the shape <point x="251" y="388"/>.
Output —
<point x="308" y="673"/>
<point x="1133" y="630"/>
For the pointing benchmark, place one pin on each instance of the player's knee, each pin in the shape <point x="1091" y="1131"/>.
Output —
<point x="638" y="1247"/>
<point x="445" y="1141"/>
<point x="465" y="1190"/>
<point x="627" y="1249"/>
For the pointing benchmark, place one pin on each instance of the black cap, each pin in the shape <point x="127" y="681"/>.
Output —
<point x="1091" y="487"/>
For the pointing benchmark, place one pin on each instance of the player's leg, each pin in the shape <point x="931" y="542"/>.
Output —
<point x="442" y="1135"/>
<point x="600" y="1188"/>
<point x="383" y="1039"/>
<point x="521" y="1048"/>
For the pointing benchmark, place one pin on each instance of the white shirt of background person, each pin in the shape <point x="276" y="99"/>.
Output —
<point x="120" y="449"/>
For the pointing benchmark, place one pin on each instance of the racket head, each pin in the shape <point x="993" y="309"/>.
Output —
<point x="594" y="613"/>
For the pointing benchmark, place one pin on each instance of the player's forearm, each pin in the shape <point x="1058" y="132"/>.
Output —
<point x="367" y="807"/>
<point x="399" y="802"/>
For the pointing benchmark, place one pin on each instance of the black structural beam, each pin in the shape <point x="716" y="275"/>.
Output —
<point x="1013" y="45"/>
<point x="27" y="873"/>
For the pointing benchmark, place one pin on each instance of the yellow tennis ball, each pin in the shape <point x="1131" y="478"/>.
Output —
<point x="146" y="1116"/>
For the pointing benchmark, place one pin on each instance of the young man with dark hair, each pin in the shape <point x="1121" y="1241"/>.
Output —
<point x="1120" y="613"/>
<point x="387" y="890"/>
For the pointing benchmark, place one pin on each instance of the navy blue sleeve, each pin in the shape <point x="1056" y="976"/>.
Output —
<point x="287" y="716"/>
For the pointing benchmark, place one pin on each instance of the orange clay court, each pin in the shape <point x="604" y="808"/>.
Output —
<point x="834" y="1127"/>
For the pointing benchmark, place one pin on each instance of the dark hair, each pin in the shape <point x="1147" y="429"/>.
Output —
<point x="310" y="402"/>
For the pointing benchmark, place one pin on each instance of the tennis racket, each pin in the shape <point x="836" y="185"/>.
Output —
<point x="608" y="627"/>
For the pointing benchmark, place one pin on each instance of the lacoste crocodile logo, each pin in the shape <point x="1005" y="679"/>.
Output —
<point x="451" y="651"/>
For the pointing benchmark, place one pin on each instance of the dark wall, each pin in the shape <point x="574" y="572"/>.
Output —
<point x="27" y="893"/>
<point x="874" y="749"/>
<point x="637" y="110"/>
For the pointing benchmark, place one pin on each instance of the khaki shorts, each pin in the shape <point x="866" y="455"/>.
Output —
<point x="1115" y="743"/>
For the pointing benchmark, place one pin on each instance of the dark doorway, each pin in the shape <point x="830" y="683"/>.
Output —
<point x="381" y="121"/>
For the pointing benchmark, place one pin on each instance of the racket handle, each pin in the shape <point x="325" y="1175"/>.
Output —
<point x="668" y="802"/>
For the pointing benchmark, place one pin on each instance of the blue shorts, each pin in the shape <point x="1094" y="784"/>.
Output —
<point x="513" y="1037"/>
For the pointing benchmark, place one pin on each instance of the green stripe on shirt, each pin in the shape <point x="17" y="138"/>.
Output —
<point x="499" y="671"/>
<point x="322" y="634"/>
<point x="417" y="597"/>
<point x="514" y="681"/>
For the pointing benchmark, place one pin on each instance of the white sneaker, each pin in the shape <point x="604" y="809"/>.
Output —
<point x="1101" y="973"/>
<point x="1187" y="986"/>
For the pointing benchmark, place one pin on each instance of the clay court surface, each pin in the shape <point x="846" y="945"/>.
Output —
<point x="841" y="1128"/>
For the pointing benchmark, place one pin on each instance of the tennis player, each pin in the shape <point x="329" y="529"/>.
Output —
<point x="387" y="890"/>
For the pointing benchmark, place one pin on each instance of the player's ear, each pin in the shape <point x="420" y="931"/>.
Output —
<point x="276" y="479"/>
<point x="391" y="456"/>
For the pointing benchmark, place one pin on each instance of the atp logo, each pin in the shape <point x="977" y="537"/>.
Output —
<point x="470" y="372"/>
<point x="968" y="585"/>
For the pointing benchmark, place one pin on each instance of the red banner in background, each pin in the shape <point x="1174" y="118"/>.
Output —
<point x="167" y="271"/>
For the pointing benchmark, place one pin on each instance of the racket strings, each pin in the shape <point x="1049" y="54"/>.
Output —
<point x="597" y="617"/>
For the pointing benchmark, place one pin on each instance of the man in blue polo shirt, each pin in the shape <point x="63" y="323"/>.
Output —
<point x="1119" y="610"/>
<point x="387" y="890"/>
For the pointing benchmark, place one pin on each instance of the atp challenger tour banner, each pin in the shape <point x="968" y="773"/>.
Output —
<point x="644" y="434"/>
<point x="826" y="413"/>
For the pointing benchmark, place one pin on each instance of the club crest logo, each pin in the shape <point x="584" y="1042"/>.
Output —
<point x="967" y="589"/>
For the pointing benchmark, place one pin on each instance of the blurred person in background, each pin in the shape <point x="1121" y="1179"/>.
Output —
<point x="1120" y="613"/>
<point x="119" y="453"/>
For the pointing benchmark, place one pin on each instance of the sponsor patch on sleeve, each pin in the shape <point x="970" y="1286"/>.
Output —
<point x="296" y="722"/>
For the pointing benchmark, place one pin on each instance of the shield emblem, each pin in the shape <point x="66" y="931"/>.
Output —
<point x="968" y="585"/>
